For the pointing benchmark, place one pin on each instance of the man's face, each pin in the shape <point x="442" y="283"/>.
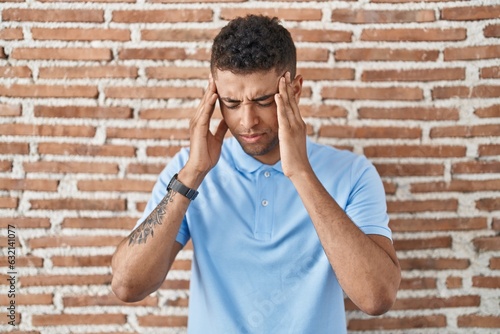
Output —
<point x="248" y="107"/>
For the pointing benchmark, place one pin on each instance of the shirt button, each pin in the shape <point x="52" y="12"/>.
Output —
<point x="264" y="203"/>
<point x="267" y="174"/>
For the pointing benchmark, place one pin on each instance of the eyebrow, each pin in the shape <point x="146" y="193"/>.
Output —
<point x="257" y="99"/>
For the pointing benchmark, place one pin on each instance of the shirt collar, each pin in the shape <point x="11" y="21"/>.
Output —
<point x="248" y="164"/>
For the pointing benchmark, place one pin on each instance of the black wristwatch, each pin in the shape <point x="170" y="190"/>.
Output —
<point x="178" y="187"/>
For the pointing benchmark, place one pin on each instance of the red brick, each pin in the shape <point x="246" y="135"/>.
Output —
<point x="492" y="72"/>
<point x="491" y="111"/>
<point x="90" y="72"/>
<point x="29" y="299"/>
<point x="74" y="241"/>
<point x="428" y="243"/>
<point x="488" y="204"/>
<point x="436" y="74"/>
<point x="138" y="133"/>
<point x="318" y="36"/>
<point x="180" y="284"/>
<point x="476" y="167"/>
<point x="478" y="321"/>
<point x="286" y="14"/>
<point x="42" y="91"/>
<point x="428" y="321"/>
<point x="9" y="110"/>
<point x="153" y="54"/>
<point x="2" y="53"/>
<point x="434" y="263"/>
<point x="342" y="131"/>
<point x="415" y="113"/>
<point x="124" y="223"/>
<point x="78" y="319"/>
<point x="178" y="302"/>
<point x="78" y="34"/>
<point x="414" y="35"/>
<point x="436" y="302"/>
<point x="470" y="13"/>
<point x="177" y="72"/>
<point x="88" y="54"/>
<point x="454" y="282"/>
<point x="463" y="186"/>
<point x="69" y="167"/>
<point x="53" y="15"/>
<point x="142" y="169"/>
<point x="472" y="53"/>
<point x="121" y="185"/>
<point x="465" y="131"/>
<point x="322" y="110"/>
<point x="492" y="30"/>
<point x="485" y="91"/>
<point x="105" y="300"/>
<point x="170" y="113"/>
<point x="495" y="263"/>
<point x="78" y="204"/>
<point x="15" y="72"/>
<point x="487" y="243"/>
<point x="327" y="73"/>
<point x="312" y="54"/>
<point x="29" y="261"/>
<point x="378" y="54"/>
<point x="8" y="34"/>
<point x="82" y="261"/>
<point x="8" y="203"/>
<point x="155" y="92"/>
<point x="5" y="166"/>
<point x="418" y="283"/>
<point x="83" y="112"/>
<point x="162" y="151"/>
<point x="162" y="16"/>
<point x="86" y="150"/>
<point x="25" y="222"/>
<point x="373" y="93"/>
<point x="441" y="224"/>
<point x="413" y="206"/>
<point x="162" y="321"/>
<point x="28" y="184"/>
<point x="64" y="280"/>
<point x="489" y="150"/>
<point x="428" y="151"/>
<point x="488" y="282"/>
<point x="47" y="130"/>
<point x="382" y="16"/>
<point x="179" y="35"/>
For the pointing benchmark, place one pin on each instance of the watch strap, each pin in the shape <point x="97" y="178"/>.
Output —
<point x="180" y="188"/>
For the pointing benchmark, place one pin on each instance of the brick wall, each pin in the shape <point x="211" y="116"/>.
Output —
<point x="95" y="97"/>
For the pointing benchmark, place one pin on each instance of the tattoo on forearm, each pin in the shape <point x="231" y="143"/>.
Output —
<point x="143" y="231"/>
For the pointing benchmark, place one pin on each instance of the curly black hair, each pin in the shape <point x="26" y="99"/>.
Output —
<point x="251" y="44"/>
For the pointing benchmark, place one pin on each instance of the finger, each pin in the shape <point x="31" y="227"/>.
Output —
<point x="207" y="103"/>
<point x="291" y="96"/>
<point x="280" y="105"/>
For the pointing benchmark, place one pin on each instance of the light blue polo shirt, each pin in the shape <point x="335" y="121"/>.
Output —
<point x="258" y="265"/>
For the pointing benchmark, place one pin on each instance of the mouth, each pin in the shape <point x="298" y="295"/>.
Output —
<point x="251" y="138"/>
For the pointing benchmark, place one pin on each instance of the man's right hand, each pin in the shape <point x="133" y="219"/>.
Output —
<point x="205" y="147"/>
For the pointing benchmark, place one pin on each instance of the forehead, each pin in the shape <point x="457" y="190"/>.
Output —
<point x="249" y="86"/>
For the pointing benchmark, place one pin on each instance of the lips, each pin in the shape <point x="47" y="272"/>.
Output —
<point x="251" y="138"/>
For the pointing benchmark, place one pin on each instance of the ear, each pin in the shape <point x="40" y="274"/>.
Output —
<point x="297" y="87"/>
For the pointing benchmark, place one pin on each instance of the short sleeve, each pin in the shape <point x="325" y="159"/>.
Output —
<point x="160" y="191"/>
<point x="366" y="205"/>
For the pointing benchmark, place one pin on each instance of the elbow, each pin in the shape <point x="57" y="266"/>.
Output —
<point x="382" y="299"/>
<point x="124" y="293"/>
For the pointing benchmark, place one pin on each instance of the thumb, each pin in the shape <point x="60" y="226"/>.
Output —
<point x="221" y="131"/>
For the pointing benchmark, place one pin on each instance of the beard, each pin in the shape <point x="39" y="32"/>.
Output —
<point x="266" y="144"/>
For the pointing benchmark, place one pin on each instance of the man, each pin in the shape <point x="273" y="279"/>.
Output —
<point x="281" y="226"/>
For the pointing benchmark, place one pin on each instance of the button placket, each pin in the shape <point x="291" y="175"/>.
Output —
<point x="264" y="215"/>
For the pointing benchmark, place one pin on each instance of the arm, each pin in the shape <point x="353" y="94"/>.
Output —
<point x="366" y="266"/>
<point x="142" y="260"/>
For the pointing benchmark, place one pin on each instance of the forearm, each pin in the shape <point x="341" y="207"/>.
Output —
<point x="143" y="259"/>
<point x="368" y="273"/>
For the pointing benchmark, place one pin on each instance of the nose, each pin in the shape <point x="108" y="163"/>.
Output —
<point x="249" y="117"/>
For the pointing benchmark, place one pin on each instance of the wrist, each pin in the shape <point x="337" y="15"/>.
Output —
<point x="190" y="177"/>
